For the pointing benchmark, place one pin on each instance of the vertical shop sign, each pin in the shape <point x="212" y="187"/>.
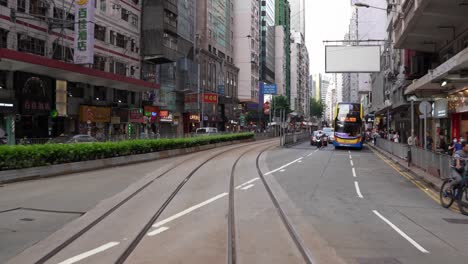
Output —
<point x="84" y="32"/>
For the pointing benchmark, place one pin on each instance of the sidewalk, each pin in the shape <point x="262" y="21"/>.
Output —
<point x="434" y="182"/>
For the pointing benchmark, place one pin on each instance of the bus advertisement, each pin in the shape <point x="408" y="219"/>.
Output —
<point x="348" y="126"/>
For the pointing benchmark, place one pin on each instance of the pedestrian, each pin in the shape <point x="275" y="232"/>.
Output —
<point x="429" y="142"/>
<point x="459" y="164"/>
<point x="451" y="148"/>
<point x="410" y="141"/>
<point x="396" y="137"/>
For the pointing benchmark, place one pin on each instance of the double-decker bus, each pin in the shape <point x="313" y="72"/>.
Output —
<point x="348" y="126"/>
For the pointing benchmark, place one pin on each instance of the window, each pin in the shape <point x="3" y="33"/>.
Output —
<point x="76" y="89"/>
<point x="124" y="14"/>
<point x="100" y="93"/>
<point x="31" y="45"/>
<point x="38" y="8"/>
<point x="99" y="63"/>
<point x="120" y="96"/>
<point x="71" y="21"/>
<point x="120" y="68"/>
<point x="135" y="20"/>
<point x="21" y="6"/>
<point x="62" y="53"/>
<point x="58" y="13"/>
<point x="133" y="47"/>
<point x="4" y="2"/>
<point x="121" y="41"/>
<point x="103" y="5"/>
<point x="3" y="38"/>
<point x="113" y="36"/>
<point x="99" y="32"/>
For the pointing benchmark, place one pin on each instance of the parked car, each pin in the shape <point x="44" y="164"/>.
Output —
<point x="206" y="131"/>
<point x="70" y="139"/>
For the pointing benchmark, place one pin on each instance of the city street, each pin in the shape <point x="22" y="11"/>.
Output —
<point x="340" y="206"/>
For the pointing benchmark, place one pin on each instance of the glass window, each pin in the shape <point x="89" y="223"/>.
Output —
<point x="3" y="38"/>
<point x="124" y="14"/>
<point x="120" y="96"/>
<point x="103" y="5"/>
<point x="99" y="63"/>
<point x="21" y="6"/>
<point x="100" y="93"/>
<point x="31" y="45"/>
<point x="99" y="32"/>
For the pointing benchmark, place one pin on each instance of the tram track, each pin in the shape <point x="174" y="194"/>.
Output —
<point x="59" y="248"/>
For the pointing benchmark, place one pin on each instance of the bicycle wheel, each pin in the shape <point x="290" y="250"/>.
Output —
<point x="446" y="194"/>
<point x="463" y="200"/>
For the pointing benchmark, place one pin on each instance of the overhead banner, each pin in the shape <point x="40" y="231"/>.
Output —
<point x="84" y="32"/>
<point x="352" y="59"/>
<point x="270" y="89"/>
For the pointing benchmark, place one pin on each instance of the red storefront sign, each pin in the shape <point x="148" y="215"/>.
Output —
<point x="135" y="115"/>
<point x="210" y="98"/>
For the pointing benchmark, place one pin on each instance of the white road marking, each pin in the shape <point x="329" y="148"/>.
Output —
<point x="248" y="187"/>
<point x="248" y="182"/>
<point x="354" y="173"/>
<point x="349" y="151"/>
<point x="299" y="161"/>
<point x="358" y="191"/>
<point x="350" y="157"/>
<point x="414" y="243"/>
<point x="188" y="210"/>
<point x="310" y="154"/>
<point x="90" y="253"/>
<point x="282" y="167"/>
<point x="158" y="231"/>
<point x="316" y="150"/>
<point x="352" y="164"/>
<point x="283" y="170"/>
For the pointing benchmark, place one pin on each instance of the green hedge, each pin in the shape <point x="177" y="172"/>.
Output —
<point x="19" y="157"/>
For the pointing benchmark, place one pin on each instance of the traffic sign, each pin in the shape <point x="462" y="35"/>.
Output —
<point x="425" y="108"/>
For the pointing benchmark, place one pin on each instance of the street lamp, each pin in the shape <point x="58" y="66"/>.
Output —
<point x="359" y="4"/>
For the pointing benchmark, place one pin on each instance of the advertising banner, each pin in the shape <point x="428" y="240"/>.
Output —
<point x="95" y="114"/>
<point x="84" y="32"/>
<point x="269" y="89"/>
<point x="210" y="98"/>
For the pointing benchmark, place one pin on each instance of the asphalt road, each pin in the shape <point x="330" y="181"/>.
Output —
<point x="344" y="206"/>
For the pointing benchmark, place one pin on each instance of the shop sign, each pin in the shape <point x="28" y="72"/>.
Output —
<point x="96" y="114"/>
<point x="210" y="98"/>
<point x="163" y="113"/>
<point x="194" y="118"/>
<point x="61" y="96"/>
<point x="84" y="32"/>
<point x="34" y="106"/>
<point x="135" y="115"/>
<point x="441" y="108"/>
<point x="166" y="118"/>
<point x="151" y="112"/>
<point x="269" y="89"/>
<point x="7" y="106"/>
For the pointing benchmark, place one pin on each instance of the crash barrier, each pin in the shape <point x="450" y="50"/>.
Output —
<point x="294" y="138"/>
<point x="435" y="164"/>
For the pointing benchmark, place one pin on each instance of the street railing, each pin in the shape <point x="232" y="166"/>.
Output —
<point x="294" y="138"/>
<point x="436" y="164"/>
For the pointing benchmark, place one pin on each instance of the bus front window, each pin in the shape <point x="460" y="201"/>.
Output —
<point x="348" y="130"/>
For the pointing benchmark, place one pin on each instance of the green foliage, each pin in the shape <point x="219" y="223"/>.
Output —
<point x="19" y="157"/>
<point x="281" y="102"/>
<point x="317" y="107"/>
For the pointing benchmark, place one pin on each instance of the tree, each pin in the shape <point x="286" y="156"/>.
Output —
<point x="317" y="107"/>
<point x="279" y="103"/>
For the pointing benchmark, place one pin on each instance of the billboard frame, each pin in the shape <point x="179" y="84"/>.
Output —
<point x="380" y="58"/>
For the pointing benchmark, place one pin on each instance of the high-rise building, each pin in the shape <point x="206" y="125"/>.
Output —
<point x="300" y="93"/>
<point x="324" y="86"/>
<point x="215" y="49"/>
<point x="298" y="16"/>
<point x="246" y="48"/>
<point x="42" y="76"/>
<point x="280" y="59"/>
<point x="267" y="41"/>
<point x="283" y="18"/>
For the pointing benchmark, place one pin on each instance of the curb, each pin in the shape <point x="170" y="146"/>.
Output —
<point x="430" y="180"/>
<point x="18" y="175"/>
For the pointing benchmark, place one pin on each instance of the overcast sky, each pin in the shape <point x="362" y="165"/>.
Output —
<point x="325" y="20"/>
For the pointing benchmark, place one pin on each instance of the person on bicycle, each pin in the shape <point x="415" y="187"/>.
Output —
<point x="459" y="157"/>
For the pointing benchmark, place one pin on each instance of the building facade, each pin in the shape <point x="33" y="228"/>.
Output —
<point x="298" y="16"/>
<point x="280" y="59"/>
<point x="218" y="74"/>
<point x="246" y="37"/>
<point x="283" y="18"/>
<point x="300" y="90"/>
<point x="52" y="95"/>
<point x="267" y="41"/>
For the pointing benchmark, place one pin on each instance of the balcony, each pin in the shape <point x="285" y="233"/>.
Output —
<point x="425" y="24"/>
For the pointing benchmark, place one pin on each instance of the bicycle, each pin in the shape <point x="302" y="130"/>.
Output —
<point x="450" y="192"/>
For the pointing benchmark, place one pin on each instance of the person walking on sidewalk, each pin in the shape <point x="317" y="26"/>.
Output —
<point x="459" y="162"/>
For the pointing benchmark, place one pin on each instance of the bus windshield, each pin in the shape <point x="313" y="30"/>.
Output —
<point x="348" y="123"/>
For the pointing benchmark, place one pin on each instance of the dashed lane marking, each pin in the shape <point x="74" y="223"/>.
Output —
<point x="352" y="164"/>
<point x="358" y="191"/>
<point x="354" y="173"/>
<point x="158" y="231"/>
<point x="282" y="167"/>
<point x="248" y="182"/>
<point x="283" y="170"/>
<point x="248" y="187"/>
<point x="403" y="234"/>
<point x="188" y="210"/>
<point x="90" y="253"/>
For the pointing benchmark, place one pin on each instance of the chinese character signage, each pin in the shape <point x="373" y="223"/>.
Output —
<point x="84" y="32"/>
<point x="210" y="98"/>
<point x="269" y="89"/>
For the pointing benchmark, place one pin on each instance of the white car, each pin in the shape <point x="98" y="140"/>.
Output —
<point x="206" y="131"/>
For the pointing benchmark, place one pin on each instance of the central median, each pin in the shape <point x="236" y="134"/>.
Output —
<point x="32" y="161"/>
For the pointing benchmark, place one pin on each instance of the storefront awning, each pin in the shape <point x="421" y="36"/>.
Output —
<point x="12" y="60"/>
<point x="446" y="71"/>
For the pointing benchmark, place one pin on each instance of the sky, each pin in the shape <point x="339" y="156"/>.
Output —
<point x="325" y="20"/>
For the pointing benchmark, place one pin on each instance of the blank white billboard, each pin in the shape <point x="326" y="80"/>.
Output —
<point x="345" y="59"/>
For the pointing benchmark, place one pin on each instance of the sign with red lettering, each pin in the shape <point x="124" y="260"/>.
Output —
<point x="210" y="98"/>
